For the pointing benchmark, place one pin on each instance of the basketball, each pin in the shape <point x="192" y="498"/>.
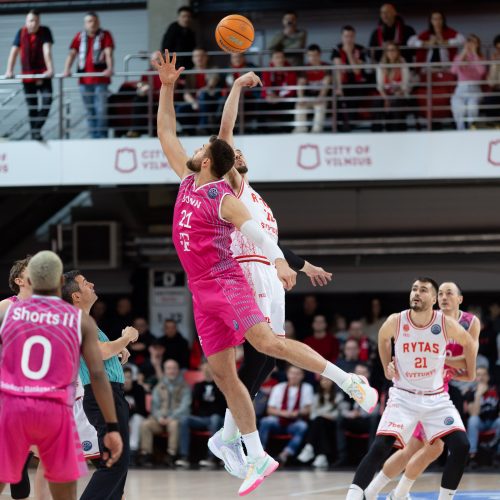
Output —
<point x="234" y="33"/>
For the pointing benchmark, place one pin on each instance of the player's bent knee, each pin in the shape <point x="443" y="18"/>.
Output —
<point x="436" y="449"/>
<point x="457" y="443"/>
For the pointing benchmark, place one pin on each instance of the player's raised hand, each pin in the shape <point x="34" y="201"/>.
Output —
<point x="286" y="275"/>
<point x="166" y="67"/>
<point x="317" y="275"/>
<point x="114" y="447"/>
<point x="249" y="79"/>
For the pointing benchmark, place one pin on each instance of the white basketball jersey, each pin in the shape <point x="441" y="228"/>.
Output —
<point x="79" y="388"/>
<point x="420" y="354"/>
<point x="244" y="250"/>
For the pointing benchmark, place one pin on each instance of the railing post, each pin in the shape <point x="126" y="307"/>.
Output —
<point x="334" y="105"/>
<point x="428" y="94"/>
<point x="60" y="83"/>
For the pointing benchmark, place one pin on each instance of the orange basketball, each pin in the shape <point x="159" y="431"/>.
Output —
<point x="234" y="33"/>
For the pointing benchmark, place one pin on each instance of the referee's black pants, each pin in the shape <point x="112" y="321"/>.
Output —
<point x="108" y="483"/>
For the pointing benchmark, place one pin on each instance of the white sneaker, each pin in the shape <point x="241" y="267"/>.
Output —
<point x="307" y="454"/>
<point x="257" y="472"/>
<point x="320" y="462"/>
<point x="231" y="453"/>
<point x="359" y="389"/>
<point x="392" y="496"/>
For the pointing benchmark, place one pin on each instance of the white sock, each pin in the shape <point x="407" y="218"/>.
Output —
<point x="253" y="445"/>
<point x="377" y="485"/>
<point x="334" y="373"/>
<point x="403" y="487"/>
<point x="354" y="493"/>
<point x="230" y="429"/>
<point x="445" y="494"/>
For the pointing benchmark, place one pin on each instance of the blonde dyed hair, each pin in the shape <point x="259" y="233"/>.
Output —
<point x="45" y="270"/>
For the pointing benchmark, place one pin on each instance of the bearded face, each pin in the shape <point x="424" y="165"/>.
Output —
<point x="240" y="162"/>
<point x="194" y="164"/>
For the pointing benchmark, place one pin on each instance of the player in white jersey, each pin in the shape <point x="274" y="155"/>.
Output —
<point x="419" y="454"/>
<point x="420" y="335"/>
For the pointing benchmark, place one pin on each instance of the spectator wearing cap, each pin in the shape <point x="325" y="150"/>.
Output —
<point x="93" y="48"/>
<point x="180" y="37"/>
<point x="33" y="42"/>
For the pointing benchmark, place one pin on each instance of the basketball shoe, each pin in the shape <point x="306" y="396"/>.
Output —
<point x="231" y="453"/>
<point x="258" y="470"/>
<point x="359" y="389"/>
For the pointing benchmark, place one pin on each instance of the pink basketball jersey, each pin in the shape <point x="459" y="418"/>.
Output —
<point x="201" y="237"/>
<point x="41" y="340"/>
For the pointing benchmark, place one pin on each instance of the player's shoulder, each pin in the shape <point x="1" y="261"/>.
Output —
<point x="393" y="318"/>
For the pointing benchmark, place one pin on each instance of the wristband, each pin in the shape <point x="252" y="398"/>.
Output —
<point x="112" y="427"/>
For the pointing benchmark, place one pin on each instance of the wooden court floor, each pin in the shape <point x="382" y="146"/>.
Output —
<point x="286" y="484"/>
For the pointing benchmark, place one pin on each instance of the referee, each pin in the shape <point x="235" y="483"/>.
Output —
<point x="106" y="483"/>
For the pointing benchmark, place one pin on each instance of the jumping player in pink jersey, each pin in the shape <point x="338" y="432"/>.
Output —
<point x="419" y="454"/>
<point x="206" y="213"/>
<point x="260" y="274"/>
<point x="38" y="392"/>
<point x="421" y="336"/>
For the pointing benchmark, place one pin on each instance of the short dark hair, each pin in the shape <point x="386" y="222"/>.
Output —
<point x="34" y="12"/>
<point x="185" y="8"/>
<point x="170" y="320"/>
<point x="128" y="369"/>
<point x="70" y="285"/>
<point x="315" y="47"/>
<point x="294" y="13"/>
<point x="222" y="156"/>
<point x="347" y="27"/>
<point x="15" y="272"/>
<point x="426" y="279"/>
<point x="91" y="13"/>
<point x="496" y="40"/>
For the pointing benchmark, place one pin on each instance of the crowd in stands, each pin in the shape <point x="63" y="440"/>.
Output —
<point x="343" y="96"/>
<point x="303" y="419"/>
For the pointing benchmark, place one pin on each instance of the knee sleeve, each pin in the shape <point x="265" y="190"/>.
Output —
<point x="458" y="448"/>
<point x="255" y="369"/>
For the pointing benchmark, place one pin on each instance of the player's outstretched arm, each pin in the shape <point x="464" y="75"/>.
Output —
<point x="470" y="345"/>
<point x="385" y="334"/>
<point x="229" y="115"/>
<point x="101" y="388"/>
<point x="235" y="212"/>
<point x="167" y="125"/>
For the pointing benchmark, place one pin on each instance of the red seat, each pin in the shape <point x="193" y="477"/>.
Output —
<point x="193" y="376"/>
<point x="486" y="436"/>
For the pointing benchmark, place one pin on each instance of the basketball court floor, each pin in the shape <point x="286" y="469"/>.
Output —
<point x="286" y="484"/>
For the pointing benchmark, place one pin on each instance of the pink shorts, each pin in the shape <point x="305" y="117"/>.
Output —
<point x="419" y="433"/>
<point x="224" y="309"/>
<point x="49" y="425"/>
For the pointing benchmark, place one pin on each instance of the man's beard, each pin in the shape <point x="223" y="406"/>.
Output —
<point x="191" y="165"/>
<point x="242" y="169"/>
<point x="416" y="307"/>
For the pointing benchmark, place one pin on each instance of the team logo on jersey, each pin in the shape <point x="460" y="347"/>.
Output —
<point x="86" y="446"/>
<point x="465" y="325"/>
<point x="436" y="329"/>
<point x="449" y="420"/>
<point x="236" y="325"/>
<point x="406" y="328"/>
<point x="213" y="192"/>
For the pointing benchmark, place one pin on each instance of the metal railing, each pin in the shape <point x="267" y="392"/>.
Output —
<point x="131" y="110"/>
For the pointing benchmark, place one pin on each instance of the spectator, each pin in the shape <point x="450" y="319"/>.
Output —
<point x="366" y="348"/>
<point x="465" y="100"/>
<point x="321" y="433"/>
<point x="142" y="113"/>
<point x="176" y="346"/>
<point x="322" y="341"/>
<point x="290" y="330"/>
<point x="350" y="358"/>
<point x="318" y="83"/>
<point x="348" y="81"/>
<point x="288" y="409"/>
<point x="94" y="48"/>
<point x="136" y="399"/>
<point x="340" y="327"/>
<point x="34" y="44"/>
<point x="171" y="402"/>
<point x="439" y="42"/>
<point x="139" y="351"/>
<point x="393" y="85"/>
<point x="303" y="318"/>
<point x="353" y="419"/>
<point x="207" y="413"/>
<point x="277" y="87"/>
<point x="156" y="353"/>
<point x="180" y="37"/>
<point x="374" y="320"/>
<point x="290" y="39"/>
<point x="201" y="96"/>
<point x="491" y="102"/>
<point x="391" y="28"/>
<point x="484" y="412"/>
<point x="98" y="312"/>
<point x="122" y="316"/>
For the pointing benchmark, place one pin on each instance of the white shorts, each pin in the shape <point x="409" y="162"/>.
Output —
<point x="404" y="410"/>
<point x="268" y="292"/>
<point x="87" y="433"/>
